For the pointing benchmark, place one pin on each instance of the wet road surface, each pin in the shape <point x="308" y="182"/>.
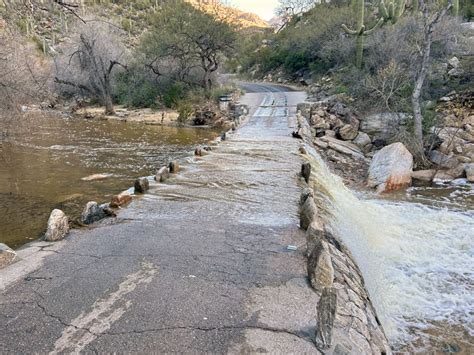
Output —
<point x="199" y="264"/>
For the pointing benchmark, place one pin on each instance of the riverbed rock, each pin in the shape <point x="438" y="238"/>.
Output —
<point x="443" y="160"/>
<point x="120" y="200"/>
<point x="141" y="185"/>
<point x="7" y="255"/>
<point x="343" y="147"/>
<point x="423" y="175"/>
<point x="92" y="213"/>
<point x="162" y="174"/>
<point x="326" y="314"/>
<point x="58" y="226"/>
<point x="320" y="269"/>
<point x="469" y="170"/>
<point x="306" y="171"/>
<point x="173" y="167"/>
<point x="96" y="177"/>
<point x="391" y="168"/>
<point x="308" y="213"/>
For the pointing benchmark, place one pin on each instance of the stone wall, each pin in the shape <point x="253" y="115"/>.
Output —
<point x="347" y="322"/>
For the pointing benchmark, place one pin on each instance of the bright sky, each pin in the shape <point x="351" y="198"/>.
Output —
<point x="264" y="8"/>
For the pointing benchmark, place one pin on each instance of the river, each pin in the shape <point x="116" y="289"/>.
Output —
<point x="44" y="158"/>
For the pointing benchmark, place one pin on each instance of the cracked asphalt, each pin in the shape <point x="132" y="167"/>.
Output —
<point x="198" y="264"/>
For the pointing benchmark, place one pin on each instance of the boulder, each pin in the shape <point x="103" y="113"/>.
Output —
<point x="308" y="213"/>
<point x="173" y="167"/>
<point x="58" y="226"/>
<point x="443" y="160"/>
<point x="200" y="152"/>
<point x="7" y="255"/>
<point x="162" y="174"/>
<point x="320" y="269"/>
<point x="314" y="234"/>
<point x="348" y="132"/>
<point x="326" y="314"/>
<point x="93" y="212"/>
<point x="362" y="140"/>
<point x="141" y="185"/>
<point x="120" y="200"/>
<point x="391" y="168"/>
<point x="302" y="150"/>
<point x="384" y="126"/>
<point x="306" y="171"/>
<point x="469" y="170"/>
<point x="423" y="175"/>
<point x="441" y="177"/>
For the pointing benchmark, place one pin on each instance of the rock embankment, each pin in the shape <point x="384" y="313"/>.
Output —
<point x="347" y="322"/>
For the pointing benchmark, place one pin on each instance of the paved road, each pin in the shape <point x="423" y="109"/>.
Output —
<point x="199" y="264"/>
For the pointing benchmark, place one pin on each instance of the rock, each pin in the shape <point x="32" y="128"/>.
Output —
<point x="163" y="174"/>
<point x="302" y="150"/>
<point x="320" y="269"/>
<point x="454" y="62"/>
<point x="343" y="147"/>
<point x="141" y="185"/>
<point x="469" y="170"/>
<point x="348" y="132"/>
<point x="330" y="133"/>
<point x="423" y="175"/>
<point x="92" y="213"/>
<point x="443" y="160"/>
<point x="321" y="144"/>
<point x="58" y="226"/>
<point x="441" y="177"/>
<point x="456" y="172"/>
<point x="307" y="193"/>
<point x="385" y="125"/>
<point x="7" y="255"/>
<point x="391" y="168"/>
<point x="306" y="171"/>
<point x="200" y="152"/>
<point x="314" y="234"/>
<point x="326" y="315"/>
<point x="308" y="213"/>
<point x="173" y="167"/>
<point x="297" y="134"/>
<point x="362" y="140"/>
<point x="120" y="200"/>
<point x="95" y="177"/>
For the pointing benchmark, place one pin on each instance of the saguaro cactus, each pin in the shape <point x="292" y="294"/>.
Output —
<point x="393" y="11"/>
<point x="360" y="31"/>
<point x="455" y="8"/>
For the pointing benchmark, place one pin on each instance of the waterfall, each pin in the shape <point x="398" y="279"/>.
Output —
<point x="417" y="260"/>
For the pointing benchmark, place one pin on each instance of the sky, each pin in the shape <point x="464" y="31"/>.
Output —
<point x="264" y="8"/>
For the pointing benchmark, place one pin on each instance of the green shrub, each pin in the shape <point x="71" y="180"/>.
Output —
<point x="174" y="95"/>
<point x="185" y="110"/>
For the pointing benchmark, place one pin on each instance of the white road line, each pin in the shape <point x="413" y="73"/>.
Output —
<point x="86" y="327"/>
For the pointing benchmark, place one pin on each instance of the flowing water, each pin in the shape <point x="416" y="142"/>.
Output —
<point x="43" y="160"/>
<point x="417" y="259"/>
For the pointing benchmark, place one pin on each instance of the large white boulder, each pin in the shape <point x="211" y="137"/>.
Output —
<point x="7" y="255"/>
<point x="391" y="168"/>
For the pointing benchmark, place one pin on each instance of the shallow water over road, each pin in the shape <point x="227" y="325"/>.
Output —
<point x="44" y="159"/>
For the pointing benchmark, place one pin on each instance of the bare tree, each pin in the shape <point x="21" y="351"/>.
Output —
<point x="431" y="15"/>
<point x="89" y="62"/>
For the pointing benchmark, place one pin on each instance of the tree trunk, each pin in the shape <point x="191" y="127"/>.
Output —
<point x="417" y="90"/>
<point x="108" y="103"/>
<point x="206" y="81"/>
